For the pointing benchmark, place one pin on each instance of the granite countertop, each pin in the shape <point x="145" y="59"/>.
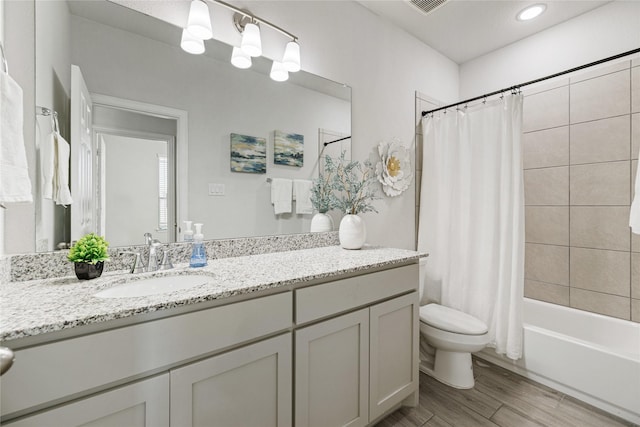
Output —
<point x="41" y="306"/>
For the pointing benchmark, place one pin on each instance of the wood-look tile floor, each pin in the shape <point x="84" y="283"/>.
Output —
<point x="499" y="398"/>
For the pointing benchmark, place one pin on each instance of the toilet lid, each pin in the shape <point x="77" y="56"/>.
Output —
<point x="450" y="320"/>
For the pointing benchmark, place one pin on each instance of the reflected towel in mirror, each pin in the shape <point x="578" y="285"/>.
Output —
<point x="302" y="196"/>
<point x="281" y="191"/>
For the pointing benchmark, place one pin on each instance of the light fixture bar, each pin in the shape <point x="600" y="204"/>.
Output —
<point x="255" y="18"/>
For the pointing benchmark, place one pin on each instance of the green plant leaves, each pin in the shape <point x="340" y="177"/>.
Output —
<point x="90" y="248"/>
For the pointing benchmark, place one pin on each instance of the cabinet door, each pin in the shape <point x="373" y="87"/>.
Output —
<point x="141" y="404"/>
<point x="250" y="386"/>
<point x="393" y="352"/>
<point x="332" y="372"/>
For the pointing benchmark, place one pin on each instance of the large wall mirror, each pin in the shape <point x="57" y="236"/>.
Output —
<point x="150" y="128"/>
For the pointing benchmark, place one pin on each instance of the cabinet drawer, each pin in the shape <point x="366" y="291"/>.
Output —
<point x="319" y="301"/>
<point x="52" y="371"/>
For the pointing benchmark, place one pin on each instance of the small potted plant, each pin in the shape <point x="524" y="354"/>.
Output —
<point x="88" y="255"/>
<point x="353" y="183"/>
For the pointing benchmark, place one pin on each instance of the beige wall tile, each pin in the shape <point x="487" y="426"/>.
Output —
<point x="635" y="62"/>
<point x="601" y="271"/>
<point x="601" y="140"/>
<point x="596" y="302"/>
<point x="635" y="310"/>
<point x="600" y="184"/>
<point x="547" y="263"/>
<point x="547" y="224"/>
<point x="545" y="86"/>
<point x="546" y="148"/>
<point x="635" y="90"/>
<point x="555" y="294"/>
<point x="601" y="97"/>
<point x="635" y="275"/>
<point x="635" y="135"/>
<point x="600" y="227"/>
<point x="546" y="110"/>
<point x="600" y="71"/>
<point x="635" y="242"/>
<point x="634" y="173"/>
<point x="547" y="186"/>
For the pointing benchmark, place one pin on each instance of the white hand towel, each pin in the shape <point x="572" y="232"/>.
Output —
<point x="281" y="195"/>
<point x="15" y="185"/>
<point x="302" y="192"/>
<point x="634" y="217"/>
<point x="62" y="195"/>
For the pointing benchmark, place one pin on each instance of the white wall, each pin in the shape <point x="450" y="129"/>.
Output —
<point x="606" y="31"/>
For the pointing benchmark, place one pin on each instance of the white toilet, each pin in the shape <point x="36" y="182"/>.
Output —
<point x="453" y="335"/>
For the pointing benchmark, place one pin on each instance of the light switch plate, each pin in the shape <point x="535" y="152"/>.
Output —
<point x="216" y="189"/>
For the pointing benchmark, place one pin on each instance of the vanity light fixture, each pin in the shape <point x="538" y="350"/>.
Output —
<point x="279" y="72"/>
<point x="190" y="43"/>
<point x="531" y="12"/>
<point x="251" y="43"/>
<point x="199" y="29"/>
<point x="199" y="21"/>
<point x="240" y="59"/>
<point x="291" y="58"/>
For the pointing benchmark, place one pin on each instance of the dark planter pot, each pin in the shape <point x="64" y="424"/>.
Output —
<point x="86" y="271"/>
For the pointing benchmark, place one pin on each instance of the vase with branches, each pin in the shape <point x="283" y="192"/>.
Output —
<point x="353" y="185"/>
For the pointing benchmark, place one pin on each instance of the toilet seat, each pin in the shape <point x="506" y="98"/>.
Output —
<point x="450" y="320"/>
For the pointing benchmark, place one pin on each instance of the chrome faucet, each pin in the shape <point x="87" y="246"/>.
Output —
<point x="152" y="244"/>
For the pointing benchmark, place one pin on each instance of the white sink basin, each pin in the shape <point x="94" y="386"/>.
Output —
<point x="153" y="286"/>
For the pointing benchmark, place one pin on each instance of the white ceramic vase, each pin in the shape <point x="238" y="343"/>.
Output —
<point x="321" y="222"/>
<point x="353" y="232"/>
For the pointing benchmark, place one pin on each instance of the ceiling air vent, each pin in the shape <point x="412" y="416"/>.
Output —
<point x="426" y="6"/>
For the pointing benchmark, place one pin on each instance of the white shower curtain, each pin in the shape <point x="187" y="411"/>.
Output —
<point x="472" y="215"/>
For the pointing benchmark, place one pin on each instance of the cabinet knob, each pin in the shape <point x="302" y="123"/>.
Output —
<point x="6" y="359"/>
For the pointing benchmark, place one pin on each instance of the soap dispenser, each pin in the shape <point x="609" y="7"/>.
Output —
<point x="187" y="234"/>
<point x="198" y="252"/>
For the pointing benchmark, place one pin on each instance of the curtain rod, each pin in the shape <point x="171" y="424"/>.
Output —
<point x="337" y="140"/>
<point x="516" y="87"/>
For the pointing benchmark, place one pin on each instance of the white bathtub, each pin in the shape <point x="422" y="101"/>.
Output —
<point x="591" y="357"/>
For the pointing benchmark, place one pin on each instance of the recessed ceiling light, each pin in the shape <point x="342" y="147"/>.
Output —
<point x="531" y="12"/>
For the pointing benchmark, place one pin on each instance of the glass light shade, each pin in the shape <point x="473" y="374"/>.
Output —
<point x="191" y="44"/>
<point x="251" y="43"/>
<point x="240" y="59"/>
<point x="278" y="72"/>
<point x="291" y="58"/>
<point x="199" y="22"/>
<point x="531" y="12"/>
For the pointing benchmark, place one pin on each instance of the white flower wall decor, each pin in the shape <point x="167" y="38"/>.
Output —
<point x="394" y="168"/>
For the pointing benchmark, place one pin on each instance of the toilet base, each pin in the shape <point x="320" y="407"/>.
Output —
<point x="452" y="368"/>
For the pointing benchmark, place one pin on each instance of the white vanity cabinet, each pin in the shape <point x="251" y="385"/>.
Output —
<point x="250" y="386"/>
<point x="335" y="353"/>
<point x="332" y="372"/>
<point x="351" y="369"/>
<point x="141" y="404"/>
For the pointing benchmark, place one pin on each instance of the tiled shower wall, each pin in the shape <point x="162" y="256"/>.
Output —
<point x="580" y="155"/>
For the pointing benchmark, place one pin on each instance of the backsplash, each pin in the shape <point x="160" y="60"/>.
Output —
<point x="22" y="267"/>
